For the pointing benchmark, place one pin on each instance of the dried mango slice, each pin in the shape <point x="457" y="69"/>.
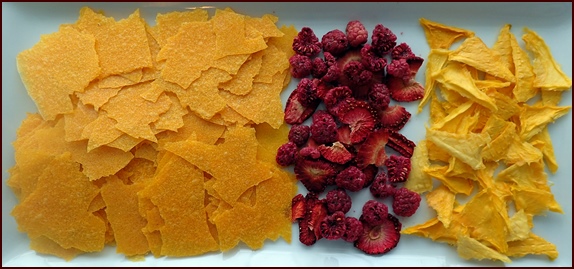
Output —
<point x="440" y="36"/>
<point x="534" y="244"/>
<point x="518" y="228"/>
<point x="45" y="245"/>
<point x="436" y="59"/>
<point x="524" y="73"/>
<point x="75" y="122"/>
<point x="96" y="95"/>
<point x="457" y="78"/>
<point x="100" y="131"/>
<point x="46" y="211"/>
<point x="442" y="200"/>
<point x="418" y="181"/>
<point x="167" y="24"/>
<point x="534" y="118"/>
<point x="470" y="248"/>
<point x="465" y="147"/>
<point x="265" y="25"/>
<point x="172" y="119"/>
<point x="60" y="64"/>
<point x="435" y="230"/>
<point x="548" y="73"/>
<point x="535" y="201"/>
<point x="454" y="183"/>
<point x="547" y="149"/>
<point x="242" y="82"/>
<point x="270" y="140"/>
<point x="272" y="62"/>
<point x="475" y="53"/>
<point x="125" y="142"/>
<point x="503" y="48"/>
<point x="100" y="162"/>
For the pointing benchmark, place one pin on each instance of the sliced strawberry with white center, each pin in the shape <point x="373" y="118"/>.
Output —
<point x="372" y="151"/>
<point x="336" y="153"/>
<point x="380" y="239"/>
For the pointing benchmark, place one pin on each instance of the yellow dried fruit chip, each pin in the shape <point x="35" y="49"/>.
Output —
<point x="465" y="147"/>
<point x="524" y="73"/>
<point x="233" y="162"/>
<point x="442" y="200"/>
<point x="518" y="228"/>
<point x="436" y="59"/>
<point x="172" y="119"/>
<point x="100" y="162"/>
<point x="265" y="25"/>
<point x="534" y="118"/>
<point x="45" y="245"/>
<point x="60" y="64"/>
<point x="97" y="96"/>
<point x="270" y="140"/>
<point x="547" y="149"/>
<point x="418" y="181"/>
<point x="122" y="213"/>
<point x="231" y="35"/>
<point x="125" y="142"/>
<point x="242" y="82"/>
<point x="66" y="220"/>
<point x="534" y="244"/>
<point x="167" y="24"/>
<point x="75" y="122"/>
<point x="274" y="61"/>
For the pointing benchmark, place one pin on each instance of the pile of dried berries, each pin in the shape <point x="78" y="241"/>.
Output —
<point x="344" y="146"/>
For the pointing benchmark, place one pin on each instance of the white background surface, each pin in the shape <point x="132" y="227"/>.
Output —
<point x="23" y="23"/>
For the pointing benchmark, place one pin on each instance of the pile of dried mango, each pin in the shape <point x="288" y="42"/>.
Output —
<point x="165" y="135"/>
<point x="163" y="139"/>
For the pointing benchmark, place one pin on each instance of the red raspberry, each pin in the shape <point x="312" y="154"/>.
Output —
<point x="310" y="153"/>
<point x="381" y="188"/>
<point x="402" y="51"/>
<point x="338" y="200"/>
<point x="370" y="59"/>
<point x="354" y="229"/>
<point x="356" y="33"/>
<point x="399" y="69"/>
<point x="301" y="66"/>
<point x="323" y="128"/>
<point x="379" y="96"/>
<point x="306" y="92"/>
<point x="319" y="68"/>
<point x="374" y="212"/>
<point x="306" y="43"/>
<point x="357" y="73"/>
<point x="333" y="70"/>
<point x="333" y="226"/>
<point x="383" y="39"/>
<point x="406" y="202"/>
<point x="398" y="168"/>
<point x="335" y="42"/>
<point x="299" y="134"/>
<point x="286" y="154"/>
<point x="351" y="179"/>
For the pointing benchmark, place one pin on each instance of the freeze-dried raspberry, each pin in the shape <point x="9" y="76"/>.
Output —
<point x="402" y="51"/>
<point x="310" y="153"/>
<point x="354" y="229"/>
<point x="323" y="127"/>
<point x="319" y="67"/>
<point x="371" y="60"/>
<point x="307" y="92"/>
<point x="306" y="43"/>
<point x="406" y="202"/>
<point x="299" y="134"/>
<point x="381" y="188"/>
<point x="357" y="73"/>
<point x="356" y="33"/>
<point x="335" y="42"/>
<point x="374" y="212"/>
<point x="399" y="68"/>
<point x="333" y="70"/>
<point x="337" y="94"/>
<point x="301" y="66"/>
<point x="338" y="200"/>
<point x="379" y="96"/>
<point x="398" y="168"/>
<point x="383" y="39"/>
<point x="351" y="179"/>
<point x="333" y="226"/>
<point x="286" y="154"/>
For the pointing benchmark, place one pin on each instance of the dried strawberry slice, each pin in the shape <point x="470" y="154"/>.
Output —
<point x="401" y="144"/>
<point x="336" y="152"/>
<point x="380" y="239"/>
<point x="358" y="115"/>
<point x="344" y="134"/>
<point x="394" y="117"/>
<point x="404" y="87"/>
<point x="296" y="112"/>
<point x="317" y="212"/>
<point x="298" y="207"/>
<point x="314" y="174"/>
<point x="372" y="151"/>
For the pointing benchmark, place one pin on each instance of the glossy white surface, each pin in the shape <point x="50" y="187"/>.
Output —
<point x="23" y="23"/>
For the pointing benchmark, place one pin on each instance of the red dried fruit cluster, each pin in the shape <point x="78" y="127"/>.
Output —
<point x="345" y="146"/>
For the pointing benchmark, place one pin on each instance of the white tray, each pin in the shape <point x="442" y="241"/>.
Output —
<point x="23" y="23"/>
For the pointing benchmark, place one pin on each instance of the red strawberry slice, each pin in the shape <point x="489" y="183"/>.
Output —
<point x="306" y="235"/>
<point x="372" y="151"/>
<point x="380" y="239"/>
<point x="298" y="207"/>
<point x="370" y="173"/>
<point x="318" y="212"/>
<point x="394" y="117"/>
<point x="344" y="134"/>
<point x="401" y="144"/>
<point x="336" y="153"/>
<point x="407" y="89"/>
<point x="314" y="174"/>
<point x="297" y="113"/>
<point x="357" y="114"/>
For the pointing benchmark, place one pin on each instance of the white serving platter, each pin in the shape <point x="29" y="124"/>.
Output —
<point x="23" y="23"/>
